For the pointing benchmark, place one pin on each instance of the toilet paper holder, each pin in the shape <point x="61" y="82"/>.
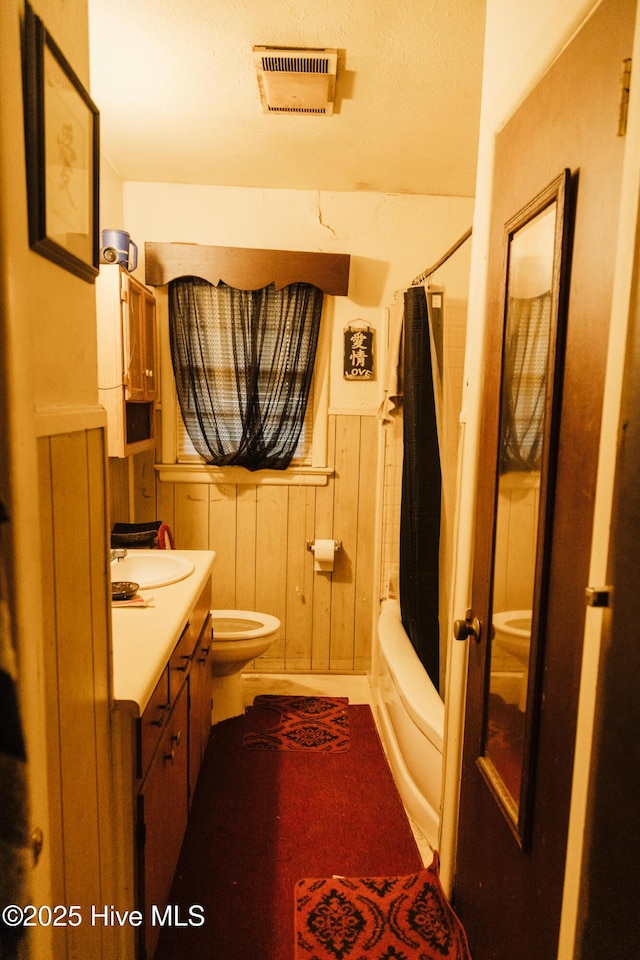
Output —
<point x="337" y="543"/>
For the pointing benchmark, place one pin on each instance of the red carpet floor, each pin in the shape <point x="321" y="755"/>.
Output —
<point x="262" y="820"/>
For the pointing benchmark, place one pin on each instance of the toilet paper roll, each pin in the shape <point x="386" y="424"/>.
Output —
<point x="323" y="555"/>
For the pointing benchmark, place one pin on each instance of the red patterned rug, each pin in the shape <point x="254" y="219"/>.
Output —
<point x="306" y="723"/>
<point x="379" y="918"/>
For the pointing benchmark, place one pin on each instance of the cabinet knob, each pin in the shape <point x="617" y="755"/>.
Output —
<point x="160" y="720"/>
<point x="177" y="737"/>
<point x="185" y="666"/>
<point x="170" y="756"/>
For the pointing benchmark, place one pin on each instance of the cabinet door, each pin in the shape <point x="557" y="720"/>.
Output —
<point x="163" y="813"/>
<point x="199" y="706"/>
<point x="148" y="337"/>
<point x="132" y="307"/>
<point x="139" y="321"/>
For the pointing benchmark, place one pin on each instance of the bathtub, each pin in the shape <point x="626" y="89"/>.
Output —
<point x="411" y="717"/>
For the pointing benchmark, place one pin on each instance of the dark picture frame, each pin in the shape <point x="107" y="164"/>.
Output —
<point x="62" y="154"/>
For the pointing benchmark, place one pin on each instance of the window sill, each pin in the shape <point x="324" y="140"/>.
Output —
<point x="202" y="473"/>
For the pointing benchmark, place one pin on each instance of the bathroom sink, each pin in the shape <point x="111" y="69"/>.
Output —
<point x="151" y="568"/>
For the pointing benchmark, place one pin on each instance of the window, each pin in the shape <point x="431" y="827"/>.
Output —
<point x="302" y="457"/>
<point x="243" y="365"/>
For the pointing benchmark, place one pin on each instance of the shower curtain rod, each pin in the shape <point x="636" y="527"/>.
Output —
<point x="450" y="252"/>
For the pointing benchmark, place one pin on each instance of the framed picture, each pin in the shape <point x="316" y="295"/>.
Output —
<point x="62" y="150"/>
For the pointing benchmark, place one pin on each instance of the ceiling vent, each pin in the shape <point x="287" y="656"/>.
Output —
<point x="295" y="80"/>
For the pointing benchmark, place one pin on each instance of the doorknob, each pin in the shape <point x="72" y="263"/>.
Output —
<point x="470" y="627"/>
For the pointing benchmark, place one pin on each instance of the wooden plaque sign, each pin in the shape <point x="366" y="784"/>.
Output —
<point x="359" y="351"/>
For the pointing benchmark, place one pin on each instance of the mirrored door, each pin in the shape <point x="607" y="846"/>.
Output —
<point x="536" y="262"/>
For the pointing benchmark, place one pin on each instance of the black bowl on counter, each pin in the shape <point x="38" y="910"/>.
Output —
<point x="124" y="589"/>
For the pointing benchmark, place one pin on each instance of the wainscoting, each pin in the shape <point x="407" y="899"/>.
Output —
<point x="260" y="534"/>
<point x="78" y="841"/>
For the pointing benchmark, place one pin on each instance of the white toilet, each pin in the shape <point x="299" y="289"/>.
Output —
<point x="239" y="636"/>
<point x="513" y="634"/>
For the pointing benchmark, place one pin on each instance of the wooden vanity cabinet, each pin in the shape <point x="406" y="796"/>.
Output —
<point x="200" y="708"/>
<point x="152" y="721"/>
<point x="172" y="735"/>
<point x="127" y="360"/>
<point x="163" y="809"/>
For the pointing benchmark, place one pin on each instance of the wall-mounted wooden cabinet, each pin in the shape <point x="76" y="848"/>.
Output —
<point x="127" y="360"/>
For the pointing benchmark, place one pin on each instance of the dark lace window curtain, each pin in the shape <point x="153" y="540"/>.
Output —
<point x="524" y="382"/>
<point x="243" y="365"/>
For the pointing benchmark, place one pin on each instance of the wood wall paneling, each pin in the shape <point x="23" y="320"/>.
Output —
<point x="222" y="539"/>
<point x="192" y="517"/>
<point x="119" y="489"/>
<point x="145" y="487"/>
<point x="365" y="595"/>
<point x="101" y="649"/>
<point x="166" y="508"/>
<point x="74" y="553"/>
<point x="260" y="534"/>
<point x="345" y="525"/>
<point x="247" y="512"/>
<point x="271" y="562"/>
<point x="300" y="577"/>
<point x="322" y="583"/>
<point x="54" y="773"/>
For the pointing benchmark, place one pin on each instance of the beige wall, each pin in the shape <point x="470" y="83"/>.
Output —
<point x="111" y="199"/>
<point x="391" y="239"/>
<point x="56" y="541"/>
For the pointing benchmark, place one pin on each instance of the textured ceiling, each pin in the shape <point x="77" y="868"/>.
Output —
<point x="179" y="102"/>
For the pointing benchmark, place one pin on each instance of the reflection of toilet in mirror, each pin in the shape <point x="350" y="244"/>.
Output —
<point x="512" y="634"/>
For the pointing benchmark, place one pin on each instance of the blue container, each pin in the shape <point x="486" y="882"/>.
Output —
<point x="118" y="247"/>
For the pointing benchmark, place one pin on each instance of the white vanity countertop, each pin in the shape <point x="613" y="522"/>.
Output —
<point x="144" y="637"/>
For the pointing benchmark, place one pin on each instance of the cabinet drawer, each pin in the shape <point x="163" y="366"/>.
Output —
<point x="153" y="721"/>
<point x="201" y="612"/>
<point x="180" y="663"/>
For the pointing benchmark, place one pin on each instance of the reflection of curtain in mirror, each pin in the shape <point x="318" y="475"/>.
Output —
<point x="524" y="379"/>
<point x="421" y="484"/>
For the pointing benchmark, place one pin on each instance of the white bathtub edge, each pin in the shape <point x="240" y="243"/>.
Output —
<point x="417" y="807"/>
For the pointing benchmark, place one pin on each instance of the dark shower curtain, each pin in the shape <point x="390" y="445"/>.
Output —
<point x="421" y="487"/>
